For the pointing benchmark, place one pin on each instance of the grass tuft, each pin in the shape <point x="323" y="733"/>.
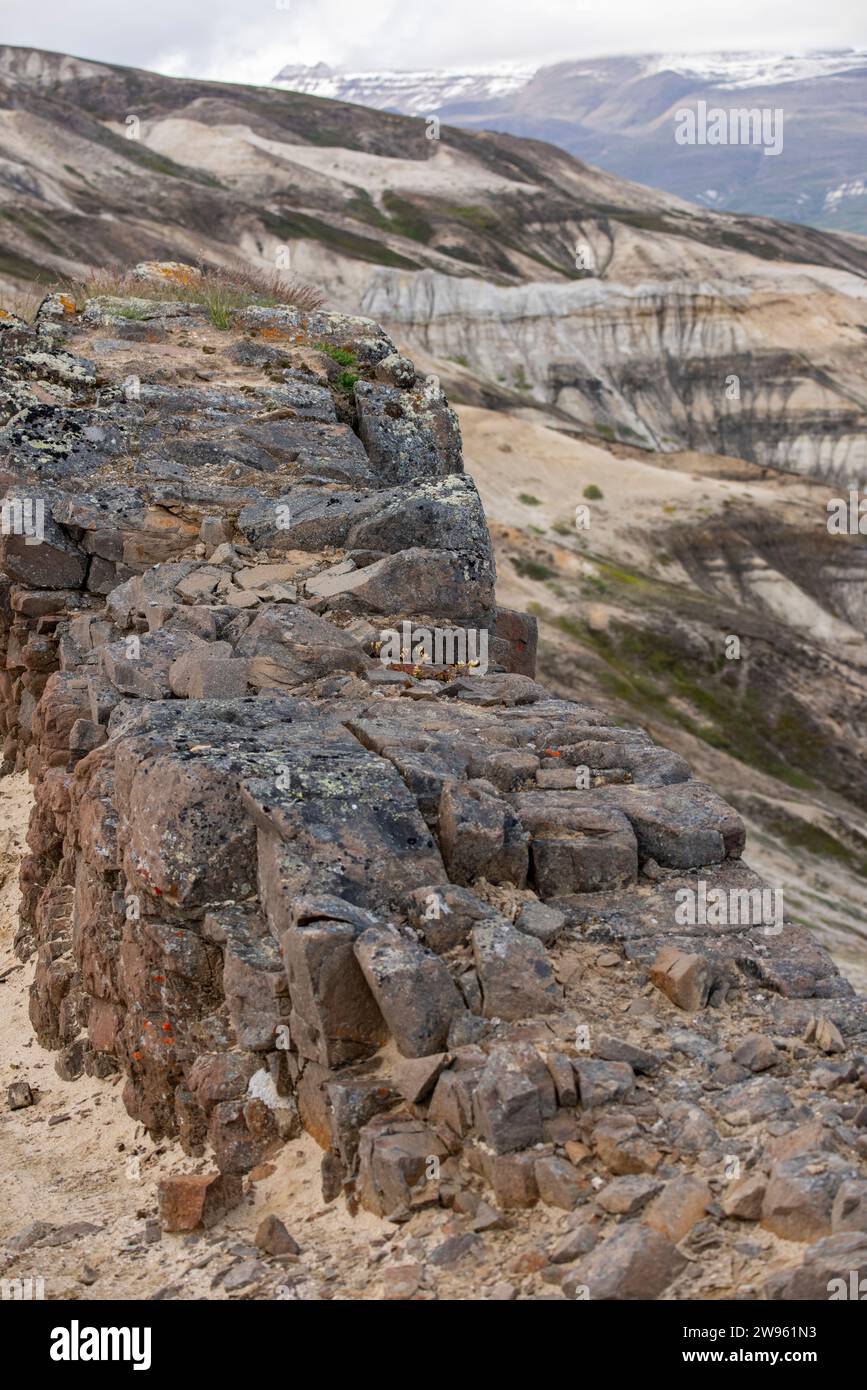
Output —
<point x="223" y="290"/>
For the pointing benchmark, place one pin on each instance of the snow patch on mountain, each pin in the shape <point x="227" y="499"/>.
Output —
<point x="757" y="69"/>
<point x="414" y="93"/>
<point x="425" y="90"/>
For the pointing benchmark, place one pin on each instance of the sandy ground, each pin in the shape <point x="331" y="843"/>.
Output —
<point x="639" y="495"/>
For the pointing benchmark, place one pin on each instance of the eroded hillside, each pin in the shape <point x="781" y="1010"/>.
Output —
<point x="637" y="316"/>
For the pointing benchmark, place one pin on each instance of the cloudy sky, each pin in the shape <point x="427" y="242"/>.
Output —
<point x="249" y="40"/>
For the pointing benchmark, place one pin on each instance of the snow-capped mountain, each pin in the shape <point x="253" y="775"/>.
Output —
<point x="731" y="70"/>
<point x="620" y="113"/>
<point x="412" y="93"/>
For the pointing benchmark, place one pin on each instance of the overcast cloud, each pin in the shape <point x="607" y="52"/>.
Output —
<point x="249" y="40"/>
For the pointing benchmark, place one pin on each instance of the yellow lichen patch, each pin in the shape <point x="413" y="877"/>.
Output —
<point x="67" y="304"/>
<point x="272" y="335"/>
<point x="174" y="271"/>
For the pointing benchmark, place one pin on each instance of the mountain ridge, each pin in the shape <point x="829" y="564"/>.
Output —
<point x="618" y="112"/>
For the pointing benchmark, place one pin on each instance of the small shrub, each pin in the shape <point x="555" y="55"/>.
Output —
<point x="346" y="381"/>
<point x="528" y="499"/>
<point x="220" y="310"/>
<point x="592" y="493"/>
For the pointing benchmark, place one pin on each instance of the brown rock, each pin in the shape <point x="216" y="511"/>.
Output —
<point x="335" y="1018"/>
<point x="480" y="835"/>
<point x="396" y="1156"/>
<point x="413" y="989"/>
<point x="687" y="980"/>
<point x="575" y="1243"/>
<point x="513" y="1179"/>
<point x="558" y="1183"/>
<point x="603" y="1083"/>
<point x="190" y="1200"/>
<point x="756" y="1053"/>
<point x="633" y="1263"/>
<point x="19" y="1095"/>
<point x="681" y="1204"/>
<point x="800" y="1195"/>
<point x="416" y="1077"/>
<point x="627" y="1195"/>
<point x="514" y="1095"/>
<point x="623" y="1148"/>
<point x="273" y="1238"/>
<point x="744" y="1200"/>
<point x="514" y="972"/>
<point x="401" y="1282"/>
<point x="563" y="1076"/>
<point x="850" y="1206"/>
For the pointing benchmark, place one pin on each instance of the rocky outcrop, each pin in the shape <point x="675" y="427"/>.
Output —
<point x="282" y="838"/>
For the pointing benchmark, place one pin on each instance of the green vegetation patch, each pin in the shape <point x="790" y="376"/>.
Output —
<point x="481" y="219"/>
<point x="301" y="224"/>
<point x="650" y="670"/>
<point x="337" y="354"/>
<point x="532" y="569"/>
<point x="406" y="218"/>
<point x="804" y="835"/>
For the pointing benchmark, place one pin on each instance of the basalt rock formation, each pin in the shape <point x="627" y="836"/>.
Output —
<point x="419" y="908"/>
